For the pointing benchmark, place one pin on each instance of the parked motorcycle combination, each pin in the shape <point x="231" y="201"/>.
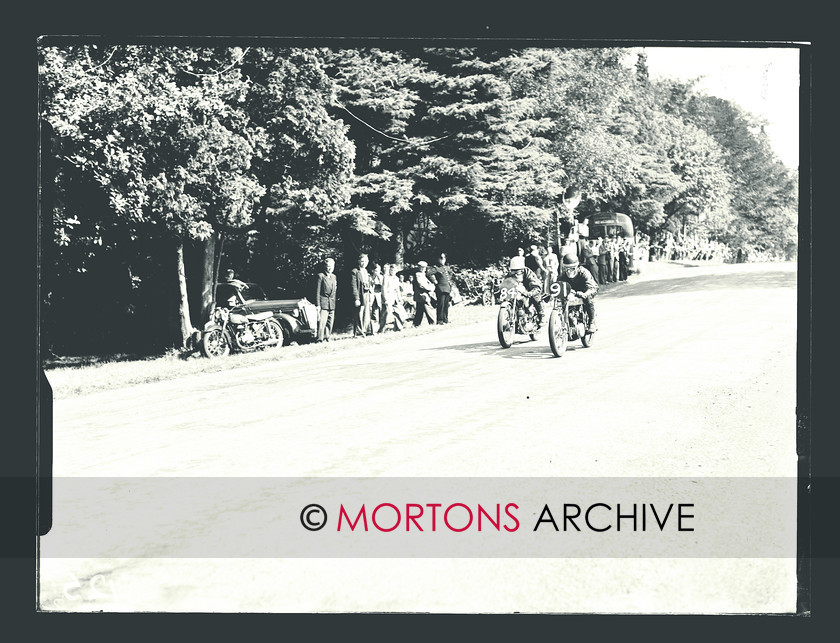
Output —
<point x="233" y="329"/>
<point x="568" y="321"/>
<point x="514" y="317"/>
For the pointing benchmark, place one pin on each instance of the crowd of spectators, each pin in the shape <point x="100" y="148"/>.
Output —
<point x="387" y="297"/>
<point x="670" y="247"/>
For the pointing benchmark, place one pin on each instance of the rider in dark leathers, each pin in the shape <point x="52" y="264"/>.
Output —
<point x="583" y="285"/>
<point x="530" y="286"/>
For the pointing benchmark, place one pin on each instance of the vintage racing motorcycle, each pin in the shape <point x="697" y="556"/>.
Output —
<point x="234" y="329"/>
<point x="568" y="320"/>
<point x="514" y="317"/>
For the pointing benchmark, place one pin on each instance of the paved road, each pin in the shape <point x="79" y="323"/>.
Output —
<point x="692" y="374"/>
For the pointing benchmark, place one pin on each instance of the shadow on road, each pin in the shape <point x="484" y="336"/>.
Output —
<point x="690" y="283"/>
<point x="522" y="349"/>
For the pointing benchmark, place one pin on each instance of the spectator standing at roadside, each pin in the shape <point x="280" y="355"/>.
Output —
<point x="588" y="260"/>
<point x="602" y="261"/>
<point x="442" y="279"/>
<point x="616" y="246"/>
<point x="362" y="291"/>
<point x="392" y="307"/>
<point x="622" y="262"/>
<point x="325" y="295"/>
<point x="407" y="292"/>
<point x="422" y="295"/>
<point x="535" y="263"/>
<point x="608" y="244"/>
<point x="375" y="299"/>
<point x="552" y="265"/>
<point x="583" y="229"/>
<point x="669" y="248"/>
<point x="567" y="246"/>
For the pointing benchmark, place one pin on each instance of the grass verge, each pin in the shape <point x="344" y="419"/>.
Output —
<point x="82" y="376"/>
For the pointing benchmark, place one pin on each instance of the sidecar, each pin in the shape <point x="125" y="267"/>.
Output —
<point x="297" y="317"/>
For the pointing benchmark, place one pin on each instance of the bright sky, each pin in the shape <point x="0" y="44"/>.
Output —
<point x="764" y="81"/>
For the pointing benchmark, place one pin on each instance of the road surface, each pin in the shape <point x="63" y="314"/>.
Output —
<point x="692" y="373"/>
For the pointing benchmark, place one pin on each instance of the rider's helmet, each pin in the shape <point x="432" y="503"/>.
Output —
<point x="570" y="263"/>
<point x="517" y="263"/>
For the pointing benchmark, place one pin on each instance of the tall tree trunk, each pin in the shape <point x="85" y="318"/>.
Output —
<point x="399" y="253"/>
<point x="183" y="316"/>
<point x="208" y="277"/>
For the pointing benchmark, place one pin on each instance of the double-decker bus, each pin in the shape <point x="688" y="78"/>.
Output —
<point x="608" y="224"/>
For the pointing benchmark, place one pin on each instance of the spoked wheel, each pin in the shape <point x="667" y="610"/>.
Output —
<point x="215" y="343"/>
<point x="275" y="332"/>
<point x="487" y="298"/>
<point x="586" y="337"/>
<point x="558" y="334"/>
<point x="505" y="326"/>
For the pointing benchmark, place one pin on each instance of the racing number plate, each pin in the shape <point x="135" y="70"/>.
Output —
<point x="508" y="289"/>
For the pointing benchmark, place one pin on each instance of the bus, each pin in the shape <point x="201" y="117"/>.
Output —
<point x="608" y="224"/>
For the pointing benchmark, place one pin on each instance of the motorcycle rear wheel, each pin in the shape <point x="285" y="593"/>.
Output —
<point x="558" y="334"/>
<point x="505" y="326"/>
<point x="215" y="343"/>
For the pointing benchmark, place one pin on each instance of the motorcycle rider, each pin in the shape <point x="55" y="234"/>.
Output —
<point x="583" y="285"/>
<point x="529" y="286"/>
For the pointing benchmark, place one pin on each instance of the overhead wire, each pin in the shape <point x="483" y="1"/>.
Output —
<point x="393" y="138"/>
<point x="104" y="62"/>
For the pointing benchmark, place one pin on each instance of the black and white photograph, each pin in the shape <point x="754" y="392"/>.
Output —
<point x="421" y="326"/>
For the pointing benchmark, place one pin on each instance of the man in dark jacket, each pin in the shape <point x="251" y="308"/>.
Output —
<point x="535" y="263"/>
<point x="583" y="284"/>
<point x="325" y="293"/>
<point x="590" y="259"/>
<point x="362" y="289"/>
<point x="602" y="262"/>
<point x="440" y="277"/>
<point x="622" y="261"/>
<point x="228" y="291"/>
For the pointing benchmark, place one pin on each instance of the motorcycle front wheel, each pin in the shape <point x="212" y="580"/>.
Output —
<point x="215" y="343"/>
<point x="586" y="337"/>
<point x="275" y="332"/>
<point x="558" y="334"/>
<point x="505" y="326"/>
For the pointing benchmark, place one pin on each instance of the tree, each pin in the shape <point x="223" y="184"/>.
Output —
<point x="185" y="146"/>
<point x="377" y="97"/>
<point x="765" y="194"/>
